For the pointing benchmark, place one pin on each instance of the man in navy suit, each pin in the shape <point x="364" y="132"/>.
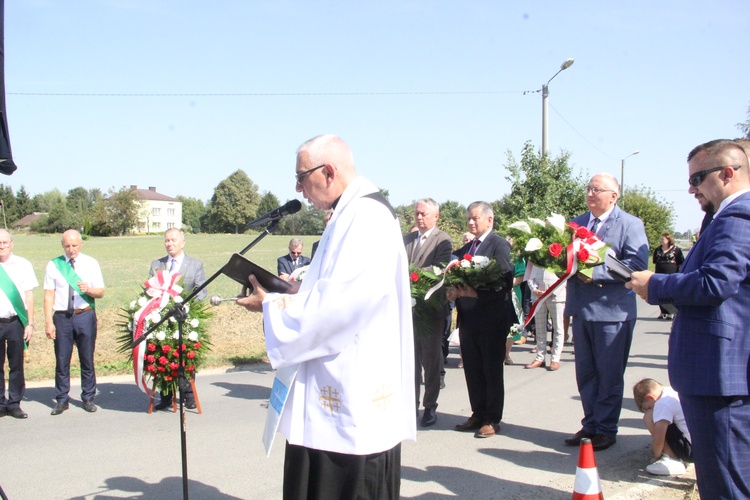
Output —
<point x="604" y="314"/>
<point x="709" y="347"/>
<point x="485" y="318"/>
<point x="193" y="276"/>
<point x="287" y="264"/>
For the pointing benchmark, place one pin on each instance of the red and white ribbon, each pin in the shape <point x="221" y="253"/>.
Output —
<point x="160" y="288"/>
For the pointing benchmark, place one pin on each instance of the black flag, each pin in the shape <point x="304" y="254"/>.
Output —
<point x="7" y="166"/>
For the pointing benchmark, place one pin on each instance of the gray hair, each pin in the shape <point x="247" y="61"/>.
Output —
<point x="610" y="179"/>
<point x="485" y="207"/>
<point x="430" y="203"/>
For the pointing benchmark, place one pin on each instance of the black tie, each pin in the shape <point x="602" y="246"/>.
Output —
<point x="71" y="291"/>
<point x="596" y="225"/>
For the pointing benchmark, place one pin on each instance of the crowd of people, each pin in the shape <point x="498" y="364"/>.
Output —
<point x="351" y="359"/>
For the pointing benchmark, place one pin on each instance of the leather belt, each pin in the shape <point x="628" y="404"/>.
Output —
<point x="75" y="311"/>
<point x="8" y="320"/>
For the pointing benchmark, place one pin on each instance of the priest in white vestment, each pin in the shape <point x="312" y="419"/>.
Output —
<point x="343" y="343"/>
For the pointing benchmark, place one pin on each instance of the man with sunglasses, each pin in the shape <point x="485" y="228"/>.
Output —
<point x="604" y="314"/>
<point x="709" y="347"/>
<point x="287" y="264"/>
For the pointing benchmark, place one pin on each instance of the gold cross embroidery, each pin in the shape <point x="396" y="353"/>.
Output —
<point x="382" y="397"/>
<point x="330" y="399"/>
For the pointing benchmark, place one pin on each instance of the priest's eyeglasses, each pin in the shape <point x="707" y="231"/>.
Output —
<point x="303" y="175"/>
<point x="697" y="178"/>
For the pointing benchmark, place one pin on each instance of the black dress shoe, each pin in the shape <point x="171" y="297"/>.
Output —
<point x="164" y="404"/>
<point x="601" y="442"/>
<point x="190" y="404"/>
<point x="59" y="408"/>
<point x="429" y="417"/>
<point x="576" y="439"/>
<point x="89" y="406"/>
<point x="3" y="412"/>
<point x="471" y="424"/>
<point x="17" y="413"/>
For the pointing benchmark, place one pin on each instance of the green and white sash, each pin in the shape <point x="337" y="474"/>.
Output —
<point x="71" y="276"/>
<point x="11" y="291"/>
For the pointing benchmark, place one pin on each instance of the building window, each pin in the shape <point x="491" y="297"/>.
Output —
<point x="170" y="225"/>
<point x="156" y="225"/>
<point x="170" y="211"/>
<point x="156" y="211"/>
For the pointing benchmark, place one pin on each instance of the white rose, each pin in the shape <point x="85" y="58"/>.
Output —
<point x="521" y="226"/>
<point x="177" y="299"/>
<point x="142" y="301"/>
<point x="154" y="317"/>
<point x="161" y="335"/>
<point x="193" y="336"/>
<point x="194" y="322"/>
<point x="533" y="245"/>
<point x="465" y="263"/>
<point x="150" y="336"/>
<point x="176" y="334"/>
<point x="132" y="305"/>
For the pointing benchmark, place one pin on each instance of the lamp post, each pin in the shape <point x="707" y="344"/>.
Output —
<point x="622" y="172"/>
<point x="545" y="93"/>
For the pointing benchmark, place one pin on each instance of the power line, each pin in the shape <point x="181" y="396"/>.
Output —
<point x="265" y="94"/>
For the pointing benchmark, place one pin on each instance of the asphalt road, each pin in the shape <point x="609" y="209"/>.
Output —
<point x="122" y="452"/>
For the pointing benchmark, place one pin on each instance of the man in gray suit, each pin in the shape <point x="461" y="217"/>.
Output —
<point x="604" y="314"/>
<point x="427" y="247"/>
<point x="193" y="276"/>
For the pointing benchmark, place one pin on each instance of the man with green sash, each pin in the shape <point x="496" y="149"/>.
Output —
<point x="71" y="283"/>
<point x="17" y="280"/>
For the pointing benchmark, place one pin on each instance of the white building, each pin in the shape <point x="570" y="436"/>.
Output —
<point x="158" y="213"/>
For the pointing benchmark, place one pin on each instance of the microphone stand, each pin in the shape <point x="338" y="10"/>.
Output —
<point x="178" y="312"/>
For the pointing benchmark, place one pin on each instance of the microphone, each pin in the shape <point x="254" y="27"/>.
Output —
<point x="291" y="207"/>
<point x="216" y="300"/>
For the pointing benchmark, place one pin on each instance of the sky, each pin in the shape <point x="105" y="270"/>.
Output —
<point x="430" y="95"/>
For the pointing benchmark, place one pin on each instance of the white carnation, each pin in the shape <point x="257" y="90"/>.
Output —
<point x="142" y="301"/>
<point x="480" y="261"/>
<point x="176" y="334"/>
<point x="132" y="305"/>
<point x="150" y="336"/>
<point x="161" y="335"/>
<point x="177" y="300"/>
<point x="194" y="322"/>
<point x="465" y="263"/>
<point x="193" y="336"/>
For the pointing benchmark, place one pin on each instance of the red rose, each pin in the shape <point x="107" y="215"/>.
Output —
<point x="175" y="373"/>
<point x="190" y="368"/>
<point x="583" y="233"/>
<point x="414" y="277"/>
<point x="167" y="378"/>
<point x="191" y="355"/>
<point x="160" y="369"/>
<point x="166" y="348"/>
<point x="197" y="345"/>
<point x="555" y="249"/>
<point x="184" y="347"/>
<point x="583" y="255"/>
<point x="151" y="368"/>
<point x="151" y="347"/>
<point x="174" y="366"/>
<point x="468" y="257"/>
<point x="163" y="360"/>
<point x="176" y="354"/>
<point x="150" y="358"/>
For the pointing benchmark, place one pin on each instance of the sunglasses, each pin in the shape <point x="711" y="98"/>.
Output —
<point x="697" y="178"/>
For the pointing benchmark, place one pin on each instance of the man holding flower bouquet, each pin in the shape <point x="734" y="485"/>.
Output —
<point x="485" y="315"/>
<point x="604" y="314"/>
<point x="425" y="248"/>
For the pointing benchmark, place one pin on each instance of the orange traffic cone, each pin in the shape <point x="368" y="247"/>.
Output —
<point x="587" y="486"/>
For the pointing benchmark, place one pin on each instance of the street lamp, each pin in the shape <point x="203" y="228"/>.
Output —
<point x="545" y="93"/>
<point x="622" y="172"/>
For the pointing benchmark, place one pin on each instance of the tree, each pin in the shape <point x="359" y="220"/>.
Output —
<point x="193" y="211"/>
<point x="233" y="204"/>
<point x="309" y="220"/>
<point x="8" y="200"/>
<point x="745" y="127"/>
<point x="24" y="205"/>
<point x="267" y="202"/>
<point x="115" y="215"/>
<point x="45" y="201"/>
<point x="657" y="214"/>
<point x="540" y="185"/>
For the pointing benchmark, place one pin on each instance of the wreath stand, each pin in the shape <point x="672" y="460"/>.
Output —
<point x="174" y="399"/>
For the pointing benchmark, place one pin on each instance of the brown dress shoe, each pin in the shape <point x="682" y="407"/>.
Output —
<point x="554" y="366"/>
<point x="575" y="440"/>
<point x="535" y="364"/>
<point x="471" y="424"/>
<point x="487" y="430"/>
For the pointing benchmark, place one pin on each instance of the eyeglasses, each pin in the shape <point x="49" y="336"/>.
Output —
<point x="303" y="175"/>
<point x="6" y="243"/>
<point x="295" y="254"/>
<point x="697" y="178"/>
<point x="597" y="191"/>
